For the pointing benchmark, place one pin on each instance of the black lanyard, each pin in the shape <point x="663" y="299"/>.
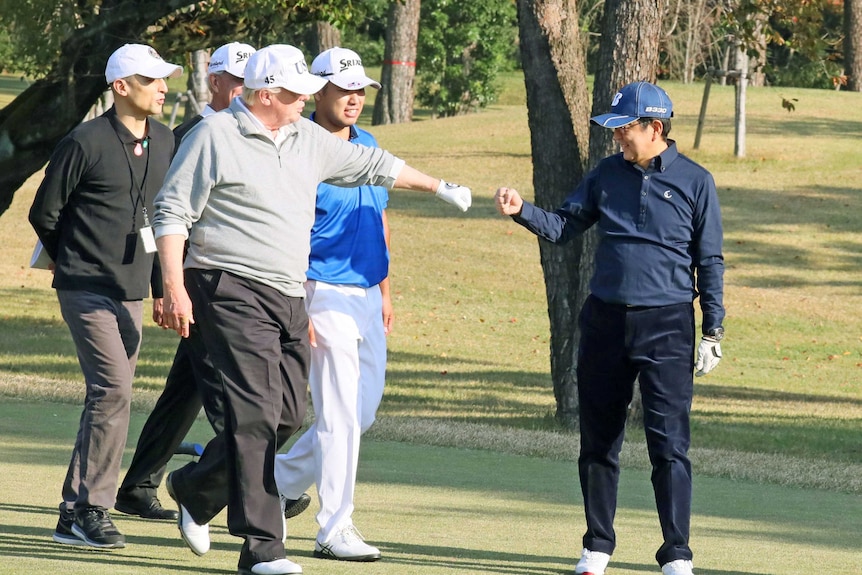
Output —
<point x="137" y="193"/>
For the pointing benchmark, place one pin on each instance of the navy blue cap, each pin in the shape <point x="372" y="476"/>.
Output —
<point x="633" y="101"/>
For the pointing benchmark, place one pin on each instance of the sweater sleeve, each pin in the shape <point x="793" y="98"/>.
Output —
<point x="65" y="169"/>
<point x="187" y="186"/>
<point x="349" y="165"/>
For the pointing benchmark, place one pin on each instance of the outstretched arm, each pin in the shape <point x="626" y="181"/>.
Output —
<point x="412" y="179"/>
<point x="508" y="202"/>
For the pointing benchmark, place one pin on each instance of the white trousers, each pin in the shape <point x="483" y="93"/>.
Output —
<point x="348" y="369"/>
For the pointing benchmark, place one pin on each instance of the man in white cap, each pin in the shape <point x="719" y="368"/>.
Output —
<point x="660" y="242"/>
<point x="91" y="213"/>
<point x="350" y="310"/>
<point x="242" y="190"/>
<point x="180" y="402"/>
<point x="225" y="74"/>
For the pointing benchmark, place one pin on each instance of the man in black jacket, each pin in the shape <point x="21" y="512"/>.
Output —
<point x="91" y="213"/>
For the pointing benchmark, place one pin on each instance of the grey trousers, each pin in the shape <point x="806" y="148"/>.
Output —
<point x="107" y="337"/>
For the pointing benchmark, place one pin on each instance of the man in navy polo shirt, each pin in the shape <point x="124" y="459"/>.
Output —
<point x="660" y="239"/>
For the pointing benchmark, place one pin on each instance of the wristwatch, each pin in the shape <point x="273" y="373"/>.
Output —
<point x="716" y="333"/>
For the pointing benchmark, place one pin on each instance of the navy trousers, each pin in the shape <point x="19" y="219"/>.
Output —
<point x="618" y="345"/>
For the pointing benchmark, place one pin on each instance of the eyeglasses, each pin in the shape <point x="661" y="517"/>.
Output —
<point x="640" y="121"/>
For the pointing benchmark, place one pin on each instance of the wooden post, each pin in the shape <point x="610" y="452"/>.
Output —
<point x="741" y="83"/>
<point x="702" y="116"/>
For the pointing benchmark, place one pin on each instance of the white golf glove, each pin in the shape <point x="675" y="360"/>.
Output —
<point x="708" y="355"/>
<point x="455" y="195"/>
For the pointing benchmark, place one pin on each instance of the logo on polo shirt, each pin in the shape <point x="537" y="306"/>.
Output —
<point x="667" y="195"/>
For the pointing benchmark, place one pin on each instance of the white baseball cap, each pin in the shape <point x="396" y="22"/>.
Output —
<point x="230" y="58"/>
<point x="343" y="68"/>
<point x="281" y="66"/>
<point x="139" y="59"/>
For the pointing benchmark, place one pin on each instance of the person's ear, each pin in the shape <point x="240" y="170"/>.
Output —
<point x="120" y="86"/>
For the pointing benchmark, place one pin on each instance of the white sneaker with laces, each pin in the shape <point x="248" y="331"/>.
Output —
<point x="592" y="563"/>
<point x="346" y="545"/>
<point x="678" y="567"/>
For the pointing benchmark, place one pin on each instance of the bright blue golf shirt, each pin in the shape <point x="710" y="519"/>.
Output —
<point x="347" y="242"/>
<point x="660" y="232"/>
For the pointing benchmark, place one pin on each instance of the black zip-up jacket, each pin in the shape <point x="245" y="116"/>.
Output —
<point x="88" y="210"/>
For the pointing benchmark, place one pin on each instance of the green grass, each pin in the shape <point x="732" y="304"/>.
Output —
<point x="434" y="511"/>
<point x="470" y="344"/>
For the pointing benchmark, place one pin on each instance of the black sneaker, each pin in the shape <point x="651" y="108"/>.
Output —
<point x="63" y="532"/>
<point x="145" y="508"/>
<point x="293" y="507"/>
<point x="94" y="527"/>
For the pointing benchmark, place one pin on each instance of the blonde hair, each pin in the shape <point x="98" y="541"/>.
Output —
<point x="249" y="95"/>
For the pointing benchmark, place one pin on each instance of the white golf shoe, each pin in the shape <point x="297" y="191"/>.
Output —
<point x="197" y="537"/>
<point x="275" y="567"/>
<point x="346" y="545"/>
<point x="678" y="567"/>
<point x="592" y="563"/>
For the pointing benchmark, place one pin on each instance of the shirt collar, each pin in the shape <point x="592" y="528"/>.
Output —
<point x="122" y="131"/>
<point x="250" y="124"/>
<point x="353" y="132"/>
<point x="666" y="158"/>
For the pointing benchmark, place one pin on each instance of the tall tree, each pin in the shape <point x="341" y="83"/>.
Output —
<point x="628" y="52"/>
<point x="323" y="36"/>
<point x="462" y="48"/>
<point x="394" y="102"/>
<point x="555" y="76"/>
<point x="66" y="44"/>
<point x="552" y="54"/>
<point x="34" y="122"/>
<point x="853" y="44"/>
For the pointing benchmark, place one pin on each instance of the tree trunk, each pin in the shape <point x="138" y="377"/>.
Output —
<point x="628" y="52"/>
<point x="33" y="123"/>
<point x="323" y="37"/>
<point x="852" y="41"/>
<point x="555" y="76"/>
<point x="197" y="84"/>
<point x="394" y="102"/>
<point x="756" y="65"/>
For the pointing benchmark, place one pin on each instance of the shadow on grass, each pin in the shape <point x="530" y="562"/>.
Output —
<point x="466" y="560"/>
<point x="18" y="541"/>
<point x="753" y="394"/>
<point x="788" y="126"/>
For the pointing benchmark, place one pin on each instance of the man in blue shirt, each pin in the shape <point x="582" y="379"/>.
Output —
<point x="660" y="237"/>
<point x="350" y="312"/>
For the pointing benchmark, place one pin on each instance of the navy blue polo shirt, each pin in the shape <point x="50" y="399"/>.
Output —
<point x="659" y="228"/>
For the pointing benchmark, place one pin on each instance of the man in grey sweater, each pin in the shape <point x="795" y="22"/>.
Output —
<point x="242" y="190"/>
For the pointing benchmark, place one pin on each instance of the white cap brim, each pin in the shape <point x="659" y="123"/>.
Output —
<point x="304" y="84"/>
